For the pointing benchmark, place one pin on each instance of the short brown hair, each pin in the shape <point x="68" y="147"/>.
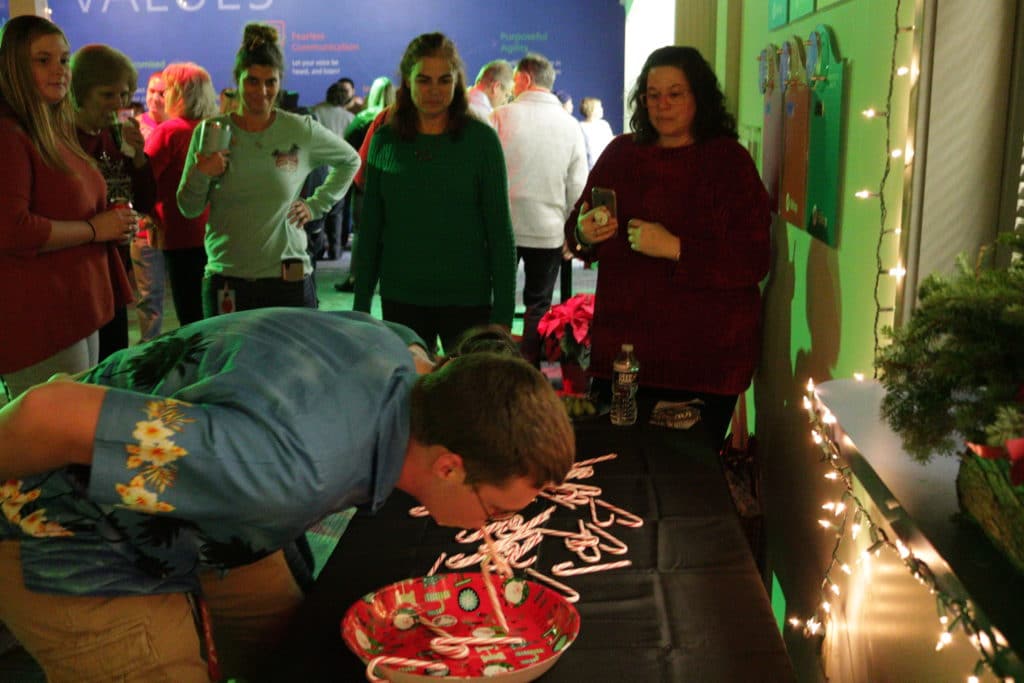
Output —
<point x="500" y="414"/>
<point x="97" y="65"/>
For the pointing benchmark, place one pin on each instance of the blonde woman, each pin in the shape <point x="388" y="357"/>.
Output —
<point x="59" y="271"/>
<point x="188" y="99"/>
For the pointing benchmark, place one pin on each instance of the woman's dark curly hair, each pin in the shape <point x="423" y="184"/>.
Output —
<point x="711" y="120"/>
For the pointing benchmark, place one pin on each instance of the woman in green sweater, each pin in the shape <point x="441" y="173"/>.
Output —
<point x="435" y="230"/>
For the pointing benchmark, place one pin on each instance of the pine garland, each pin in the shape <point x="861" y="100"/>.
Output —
<point x="955" y="372"/>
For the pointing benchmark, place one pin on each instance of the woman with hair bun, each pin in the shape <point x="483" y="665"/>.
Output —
<point x="189" y="98"/>
<point x="255" y="241"/>
<point x="60" y="274"/>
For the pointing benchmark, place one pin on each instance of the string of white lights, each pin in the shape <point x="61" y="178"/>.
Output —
<point x="954" y="613"/>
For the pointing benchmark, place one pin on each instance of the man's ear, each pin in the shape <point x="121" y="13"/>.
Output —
<point x="448" y="466"/>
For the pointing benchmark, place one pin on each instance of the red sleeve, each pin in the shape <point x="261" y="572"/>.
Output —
<point x="364" y="149"/>
<point x="20" y="230"/>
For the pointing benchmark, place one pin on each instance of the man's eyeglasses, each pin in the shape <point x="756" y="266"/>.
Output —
<point x="653" y="99"/>
<point x="495" y="516"/>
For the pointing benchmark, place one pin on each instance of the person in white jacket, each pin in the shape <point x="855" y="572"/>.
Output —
<point x="546" y="159"/>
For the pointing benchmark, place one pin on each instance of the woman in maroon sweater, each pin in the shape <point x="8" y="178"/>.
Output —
<point x="681" y="262"/>
<point x="60" y="276"/>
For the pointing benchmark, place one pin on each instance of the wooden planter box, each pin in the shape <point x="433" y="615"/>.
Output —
<point x="987" y="496"/>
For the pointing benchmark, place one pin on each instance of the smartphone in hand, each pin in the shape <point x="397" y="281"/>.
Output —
<point x="602" y="196"/>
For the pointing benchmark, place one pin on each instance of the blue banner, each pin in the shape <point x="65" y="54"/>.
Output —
<point x="324" y="40"/>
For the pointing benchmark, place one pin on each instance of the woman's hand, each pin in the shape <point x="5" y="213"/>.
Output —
<point x="652" y="239"/>
<point x="299" y="213"/>
<point x="131" y="135"/>
<point x="213" y="164"/>
<point x="595" y="226"/>
<point x="115" y="225"/>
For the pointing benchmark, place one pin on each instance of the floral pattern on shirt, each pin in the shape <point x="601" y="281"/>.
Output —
<point x="13" y="499"/>
<point x="155" y="453"/>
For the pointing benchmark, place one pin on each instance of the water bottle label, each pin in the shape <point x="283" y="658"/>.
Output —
<point x="626" y="378"/>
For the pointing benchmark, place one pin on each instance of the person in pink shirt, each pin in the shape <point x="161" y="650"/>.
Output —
<point x="189" y="97"/>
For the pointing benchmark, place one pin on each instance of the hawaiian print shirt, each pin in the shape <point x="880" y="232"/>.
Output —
<point x="217" y="444"/>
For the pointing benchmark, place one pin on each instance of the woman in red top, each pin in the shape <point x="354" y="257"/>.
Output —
<point x="60" y="276"/>
<point x="682" y="259"/>
<point x="189" y="97"/>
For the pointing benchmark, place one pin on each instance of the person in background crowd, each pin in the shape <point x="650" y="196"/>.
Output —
<point x="190" y="99"/>
<point x="102" y="82"/>
<point x="148" y="267"/>
<point x="228" y="102"/>
<point x="566" y="100"/>
<point x="336" y="222"/>
<point x="255" y="241"/>
<point x="493" y="88"/>
<point x="435" y="227"/>
<point x="60" y="273"/>
<point x="154" y="114"/>
<point x="178" y="472"/>
<point x="382" y="96"/>
<point x="547" y="168"/>
<point x="680" y="281"/>
<point x="596" y="131"/>
<point x="353" y="102"/>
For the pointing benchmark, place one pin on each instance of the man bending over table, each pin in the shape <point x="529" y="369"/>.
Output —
<point x="181" y="467"/>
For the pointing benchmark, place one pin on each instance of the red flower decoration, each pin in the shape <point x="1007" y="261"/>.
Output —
<point x="573" y="316"/>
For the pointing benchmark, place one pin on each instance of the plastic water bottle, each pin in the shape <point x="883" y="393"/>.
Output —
<point x="625" y="378"/>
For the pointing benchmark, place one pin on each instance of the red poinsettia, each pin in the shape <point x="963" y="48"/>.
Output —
<point x="565" y="329"/>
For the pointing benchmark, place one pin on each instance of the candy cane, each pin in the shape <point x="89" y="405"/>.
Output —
<point x="558" y="499"/>
<point x="495" y="556"/>
<point x="493" y="594"/>
<point x="619" y="548"/>
<point x="570" y="594"/>
<point x="567" y="568"/>
<point x="419" y="511"/>
<point x="593" y="515"/>
<point x="437" y="565"/>
<point x="625" y="518"/>
<point x="438" y="667"/>
<point x="594" y="461"/>
<point x="580" y="473"/>
<point x="461" y="560"/>
<point x="457" y="647"/>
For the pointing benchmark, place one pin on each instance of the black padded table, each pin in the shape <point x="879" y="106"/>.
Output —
<point x="692" y="607"/>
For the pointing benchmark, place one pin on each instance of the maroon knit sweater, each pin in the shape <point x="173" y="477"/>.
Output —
<point x="695" y="324"/>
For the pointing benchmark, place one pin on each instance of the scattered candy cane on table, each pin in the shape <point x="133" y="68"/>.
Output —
<point x="570" y="594"/>
<point x="567" y="568"/>
<point x="507" y="544"/>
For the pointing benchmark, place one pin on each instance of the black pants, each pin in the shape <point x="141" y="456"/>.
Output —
<point x="259" y="293"/>
<point x="114" y="335"/>
<point x="185" y="269"/>
<point x="432" y="322"/>
<point x="541" y="268"/>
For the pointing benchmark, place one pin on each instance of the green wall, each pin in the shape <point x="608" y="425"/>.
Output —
<point x="819" y="303"/>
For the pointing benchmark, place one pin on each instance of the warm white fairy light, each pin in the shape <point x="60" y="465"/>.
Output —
<point x="897" y="271"/>
<point x="871" y="113"/>
<point x="903" y="71"/>
<point x="864" y="194"/>
<point x="859" y="376"/>
<point x="988" y="641"/>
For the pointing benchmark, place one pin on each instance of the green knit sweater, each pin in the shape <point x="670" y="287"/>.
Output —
<point x="435" y="228"/>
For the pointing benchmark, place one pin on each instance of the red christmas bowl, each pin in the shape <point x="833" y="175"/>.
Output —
<point x="390" y="622"/>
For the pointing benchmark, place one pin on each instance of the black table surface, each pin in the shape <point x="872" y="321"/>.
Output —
<point x="692" y="607"/>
